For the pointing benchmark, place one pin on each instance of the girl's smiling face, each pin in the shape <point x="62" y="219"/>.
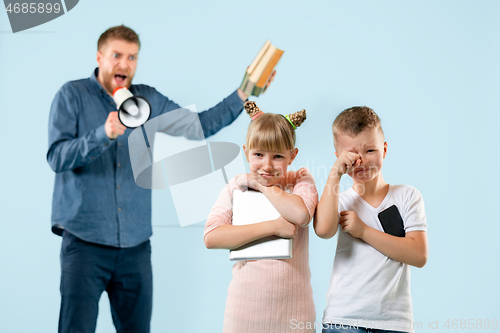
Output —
<point x="269" y="167"/>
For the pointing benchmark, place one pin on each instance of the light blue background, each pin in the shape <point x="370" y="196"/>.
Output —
<point x="430" y="70"/>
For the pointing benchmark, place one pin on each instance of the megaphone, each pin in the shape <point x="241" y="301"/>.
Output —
<point x="133" y="111"/>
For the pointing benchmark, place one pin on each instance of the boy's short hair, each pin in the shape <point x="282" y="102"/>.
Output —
<point x="119" y="32"/>
<point x="354" y="120"/>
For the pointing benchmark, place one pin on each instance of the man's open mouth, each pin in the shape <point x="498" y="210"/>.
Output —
<point x="120" y="79"/>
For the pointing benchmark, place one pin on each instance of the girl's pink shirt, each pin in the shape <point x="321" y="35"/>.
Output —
<point x="269" y="295"/>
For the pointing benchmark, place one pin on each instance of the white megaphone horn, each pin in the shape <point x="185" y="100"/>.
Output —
<point x="133" y="111"/>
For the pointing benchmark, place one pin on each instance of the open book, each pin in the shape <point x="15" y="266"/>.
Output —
<point x="252" y="207"/>
<point x="259" y="72"/>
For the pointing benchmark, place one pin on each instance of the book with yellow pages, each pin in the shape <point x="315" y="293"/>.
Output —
<point x="260" y="71"/>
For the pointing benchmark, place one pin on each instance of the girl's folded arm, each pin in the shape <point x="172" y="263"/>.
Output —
<point x="289" y="205"/>
<point x="230" y="236"/>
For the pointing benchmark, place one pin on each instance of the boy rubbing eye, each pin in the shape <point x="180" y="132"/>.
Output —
<point x="370" y="283"/>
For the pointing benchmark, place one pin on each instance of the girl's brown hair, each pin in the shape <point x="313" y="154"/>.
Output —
<point x="270" y="131"/>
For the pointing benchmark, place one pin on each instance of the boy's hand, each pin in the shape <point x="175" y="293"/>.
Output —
<point x="351" y="223"/>
<point x="285" y="229"/>
<point x="245" y="181"/>
<point x="346" y="163"/>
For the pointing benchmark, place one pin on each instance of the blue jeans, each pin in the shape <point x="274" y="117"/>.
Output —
<point x="337" y="328"/>
<point x="88" y="269"/>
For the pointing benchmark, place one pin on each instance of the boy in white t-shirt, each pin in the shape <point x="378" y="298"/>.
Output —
<point x="370" y="284"/>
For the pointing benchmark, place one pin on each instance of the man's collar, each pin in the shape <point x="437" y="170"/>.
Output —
<point x="95" y="83"/>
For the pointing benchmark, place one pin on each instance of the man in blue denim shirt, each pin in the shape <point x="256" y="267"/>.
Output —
<point x="104" y="217"/>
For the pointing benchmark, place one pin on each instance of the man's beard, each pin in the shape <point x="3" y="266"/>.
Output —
<point x="108" y="80"/>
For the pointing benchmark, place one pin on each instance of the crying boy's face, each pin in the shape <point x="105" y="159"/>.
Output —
<point x="372" y="149"/>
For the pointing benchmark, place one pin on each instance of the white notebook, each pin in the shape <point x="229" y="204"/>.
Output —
<point x="252" y="207"/>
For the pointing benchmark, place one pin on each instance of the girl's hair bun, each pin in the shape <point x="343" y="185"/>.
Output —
<point x="252" y="109"/>
<point x="298" y="117"/>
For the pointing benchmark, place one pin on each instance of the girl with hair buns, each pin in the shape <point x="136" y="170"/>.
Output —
<point x="269" y="295"/>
